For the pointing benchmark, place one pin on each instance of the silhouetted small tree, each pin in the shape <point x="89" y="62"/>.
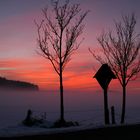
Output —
<point x="122" y="52"/>
<point x="57" y="37"/>
<point x="29" y="119"/>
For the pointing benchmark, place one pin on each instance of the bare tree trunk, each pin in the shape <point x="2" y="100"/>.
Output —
<point x="106" y="111"/>
<point x="58" y="32"/>
<point x="61" y="99"/>
<point x="123" y="105"/>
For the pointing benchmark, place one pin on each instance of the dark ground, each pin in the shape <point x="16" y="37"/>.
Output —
<point x="131" y="132"/>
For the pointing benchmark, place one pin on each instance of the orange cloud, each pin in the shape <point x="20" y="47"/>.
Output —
<point x="76" y="76"/>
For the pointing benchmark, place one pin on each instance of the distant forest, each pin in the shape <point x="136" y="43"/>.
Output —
<point x="11" y="84"/>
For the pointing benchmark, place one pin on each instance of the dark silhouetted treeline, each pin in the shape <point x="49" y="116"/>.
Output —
<point x="11" y="84"/>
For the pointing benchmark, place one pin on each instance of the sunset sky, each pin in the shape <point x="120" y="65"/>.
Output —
<point x="18" y="57"/>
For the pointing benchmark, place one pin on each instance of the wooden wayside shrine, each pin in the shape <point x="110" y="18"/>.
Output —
<point x="104" y="76"/>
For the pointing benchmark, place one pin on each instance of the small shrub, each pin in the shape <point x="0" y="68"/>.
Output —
<point x="59" y="124"/>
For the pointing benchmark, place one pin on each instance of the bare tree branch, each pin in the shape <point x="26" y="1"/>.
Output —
<point x="122" y="52"/>
<point x="58" y="35"/>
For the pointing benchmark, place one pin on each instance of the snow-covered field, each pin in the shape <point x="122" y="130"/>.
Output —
<point x="85" y="108"/>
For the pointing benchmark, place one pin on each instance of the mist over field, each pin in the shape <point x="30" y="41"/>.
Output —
<point x="79" y="106"/>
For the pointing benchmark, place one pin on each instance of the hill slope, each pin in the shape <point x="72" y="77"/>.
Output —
<point x="12" y="84"/>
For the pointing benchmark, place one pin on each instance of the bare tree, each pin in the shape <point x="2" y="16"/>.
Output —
<point x="57" y="37"/>
<point x="122" y="52"/>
